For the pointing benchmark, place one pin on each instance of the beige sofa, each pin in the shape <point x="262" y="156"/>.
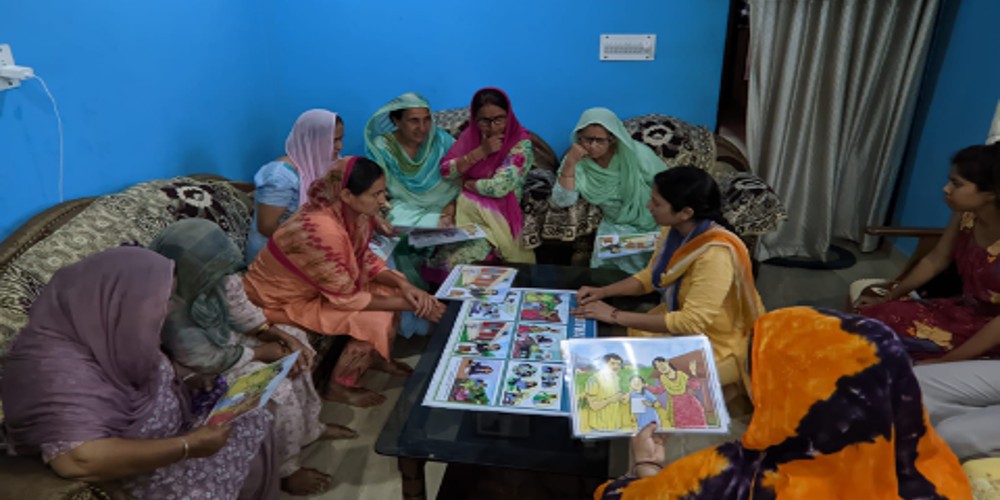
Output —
<point x="70" y="231"/>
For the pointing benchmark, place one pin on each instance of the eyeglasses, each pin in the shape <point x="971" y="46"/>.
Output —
<point x="600" y="141"/>
<point x="489" y="122"/>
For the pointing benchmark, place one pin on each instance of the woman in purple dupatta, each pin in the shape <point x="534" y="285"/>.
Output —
<point x="489" y="160"/>
<point x="86" y="387"/>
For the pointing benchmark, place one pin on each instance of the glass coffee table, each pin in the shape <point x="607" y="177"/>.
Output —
<point x="417" y="434"/>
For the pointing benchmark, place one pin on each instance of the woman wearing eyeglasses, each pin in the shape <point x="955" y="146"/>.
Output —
<point x="613" y="171"/>
<point x="489" y="161"/>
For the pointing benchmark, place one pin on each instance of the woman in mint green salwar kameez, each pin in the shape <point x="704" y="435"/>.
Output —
<point x="402" y="138"/>
<point x="615" y="172"/>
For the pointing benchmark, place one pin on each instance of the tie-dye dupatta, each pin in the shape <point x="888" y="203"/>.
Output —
<point x="838" y="414"/>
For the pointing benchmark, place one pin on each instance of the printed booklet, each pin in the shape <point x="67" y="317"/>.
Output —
<point x="611" y="246"/>
<point x="485" y="283"/>
<point x="251" y="391"/>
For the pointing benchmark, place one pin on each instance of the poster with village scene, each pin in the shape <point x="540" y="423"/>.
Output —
<point x="505" y="356"/>
<point x="482" y="283"/>
<point x="620" y="385"/>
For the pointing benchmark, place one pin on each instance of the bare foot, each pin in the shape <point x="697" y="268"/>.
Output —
<point x="393" y="367"/>
<point x="305" y="482"/>
<point x="334" y="431"/>
<point x="353" y="396"/>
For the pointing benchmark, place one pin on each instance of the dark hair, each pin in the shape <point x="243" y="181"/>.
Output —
<point x="981" y="166"/>
<point x="658" y="359"/>
<point x="397" y="114"/>
<point x="637" y="377"/>
<point x="363" y="175"/>
<point x="340" y="121"/>
<point x="489" y="96"/>
<point x="609" y="357"/>
<point x="691" y="187"/>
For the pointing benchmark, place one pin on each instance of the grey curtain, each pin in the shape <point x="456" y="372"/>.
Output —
<point x="833" y="87"/>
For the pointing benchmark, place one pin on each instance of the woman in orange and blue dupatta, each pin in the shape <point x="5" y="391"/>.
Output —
<point x="701" y="269"/>
<point x="317" y="272"/>
<point x="838" y="414"/>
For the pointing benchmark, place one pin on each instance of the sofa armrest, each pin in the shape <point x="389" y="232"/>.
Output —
<point x="23" y="478"/>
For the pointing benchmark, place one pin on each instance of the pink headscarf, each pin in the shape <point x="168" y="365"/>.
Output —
<point x="508" y="206"/>
<point x="310" y="147"/>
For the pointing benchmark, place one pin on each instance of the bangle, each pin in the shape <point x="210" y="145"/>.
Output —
<point x="186" y="448"/>
<point x="260" y="329"/>
<point x="645" y="462"/>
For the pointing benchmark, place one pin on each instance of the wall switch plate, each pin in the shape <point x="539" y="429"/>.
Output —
<point x="7" y="57"/>
<point x="628" y="47"/>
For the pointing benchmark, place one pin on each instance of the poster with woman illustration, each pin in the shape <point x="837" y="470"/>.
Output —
<point x="620" y="385"/>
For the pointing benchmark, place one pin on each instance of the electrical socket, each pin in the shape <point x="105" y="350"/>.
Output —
<point x="6" y="58"/>
<point x="628" y="48"/>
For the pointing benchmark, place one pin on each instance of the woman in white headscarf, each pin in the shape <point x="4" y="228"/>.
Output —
<point x="312" y="147"/>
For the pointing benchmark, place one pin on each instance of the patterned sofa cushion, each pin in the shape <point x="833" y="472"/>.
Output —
<point x="675" y="141"/>
<point x="750" y="204"/>
<point x="132" y="217"/>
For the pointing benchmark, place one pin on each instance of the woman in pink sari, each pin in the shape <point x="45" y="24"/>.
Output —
<point x="675" y="391"/>
<point x="489" y="160"/>
<point x="968" y="326"/>
<point x="317" y="272"/>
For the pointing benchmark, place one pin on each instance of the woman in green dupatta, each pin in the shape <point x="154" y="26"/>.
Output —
<point x="615" y="172"/>
<point x="402" y="138"/>
<point x="213" y="329"/>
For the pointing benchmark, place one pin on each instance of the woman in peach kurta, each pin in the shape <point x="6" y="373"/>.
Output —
<point x="317" y="272"/>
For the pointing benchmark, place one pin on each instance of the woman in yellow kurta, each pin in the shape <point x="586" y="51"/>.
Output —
<point x="318" y="273"/>
<point x="701" y="268"/>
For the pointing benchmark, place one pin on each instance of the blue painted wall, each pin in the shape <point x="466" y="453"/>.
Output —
<point x="353" y="56"/>
<point x="146" y="90"/>
<point x="957" y="111"/>
<point x="155" y="89"/>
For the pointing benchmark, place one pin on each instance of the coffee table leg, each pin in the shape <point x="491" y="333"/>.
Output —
<point x="411" y="471"/>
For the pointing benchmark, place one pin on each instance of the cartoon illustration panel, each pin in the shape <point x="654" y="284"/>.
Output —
<point x="546" y="306"/>
<point x="538" y="342"/>
<point x="471" y="381"/>
<point x="500" y="311"/>
<point x="538" y="386"/>
<point x="488" y="339"/>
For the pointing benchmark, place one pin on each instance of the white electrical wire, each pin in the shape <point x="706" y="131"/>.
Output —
<point x="55" y="107"/>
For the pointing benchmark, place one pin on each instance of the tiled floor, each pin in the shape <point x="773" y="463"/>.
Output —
<point x="360" y="473"/>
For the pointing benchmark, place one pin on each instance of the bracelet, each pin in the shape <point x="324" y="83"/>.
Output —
<point x="187" y="449"/>
<point x="635" y="467"/>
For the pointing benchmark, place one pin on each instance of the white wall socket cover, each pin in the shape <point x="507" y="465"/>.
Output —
<point x="628" y="47"/>
<point x="7" y="57"/>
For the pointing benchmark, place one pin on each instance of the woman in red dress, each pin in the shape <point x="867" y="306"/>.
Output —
<point x="967" y="326"/>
